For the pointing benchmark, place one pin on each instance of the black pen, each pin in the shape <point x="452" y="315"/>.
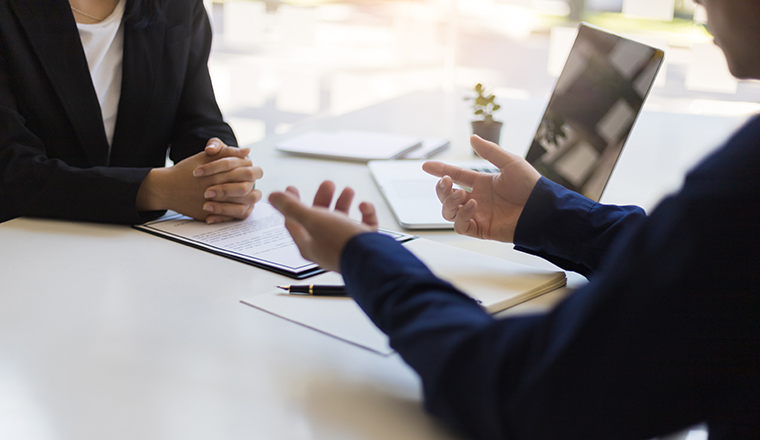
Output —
<point x="316" y="290"/>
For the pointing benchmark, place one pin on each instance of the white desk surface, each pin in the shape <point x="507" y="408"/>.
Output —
<point x="111" y="333"/>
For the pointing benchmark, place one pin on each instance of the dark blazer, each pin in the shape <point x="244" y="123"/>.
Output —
<point x="665" y="335"/>
<point x="54" y="159"/>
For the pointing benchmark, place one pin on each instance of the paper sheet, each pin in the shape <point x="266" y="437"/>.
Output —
<point x="261" y="239"/>
<point x="339" y="317"/>
<point x="497" y="284"/>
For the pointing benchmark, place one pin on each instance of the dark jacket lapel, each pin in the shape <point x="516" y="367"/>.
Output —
<point x="143" y="49"/>
<point x="52" y="31"/>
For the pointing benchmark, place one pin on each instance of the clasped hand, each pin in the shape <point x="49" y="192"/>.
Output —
<point x="215" y="185"/>
<point x="493" y="204"/>
<point x="229" y="179"/>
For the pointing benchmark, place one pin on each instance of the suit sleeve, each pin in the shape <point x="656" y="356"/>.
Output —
<point x="198" y="116"/>
<point x="33" y="184"/>
<point x="657" y="342"/>
<point x="571" y="230"/>
<point x="43" y="169"/>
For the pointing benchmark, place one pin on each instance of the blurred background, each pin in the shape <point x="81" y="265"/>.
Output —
<point x="276" y="63"/>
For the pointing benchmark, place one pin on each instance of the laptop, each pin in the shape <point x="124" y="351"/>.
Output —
<point x="588" y="118"/>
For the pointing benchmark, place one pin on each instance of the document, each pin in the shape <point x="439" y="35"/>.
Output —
<point x="260" y="240"/>
<point x="496" y="284"/>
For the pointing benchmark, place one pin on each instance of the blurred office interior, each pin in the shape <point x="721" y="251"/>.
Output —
<point x="277" y="63"/>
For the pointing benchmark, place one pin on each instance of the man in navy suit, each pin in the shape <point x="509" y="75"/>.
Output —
<point x="665" y="335"/>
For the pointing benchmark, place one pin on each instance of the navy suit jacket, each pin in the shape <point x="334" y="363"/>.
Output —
<point x="54" y="158"/>
<point x="665" y="335"/>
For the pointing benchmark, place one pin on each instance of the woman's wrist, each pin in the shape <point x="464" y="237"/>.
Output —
<point x="150" y="196"/>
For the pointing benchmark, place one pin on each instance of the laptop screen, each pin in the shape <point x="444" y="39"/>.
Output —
<point x="595" y="103"/>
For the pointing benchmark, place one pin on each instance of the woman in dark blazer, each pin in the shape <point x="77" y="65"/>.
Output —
<point x="55" y="159"/>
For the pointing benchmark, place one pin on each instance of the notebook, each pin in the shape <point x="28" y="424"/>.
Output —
<point x="359" y="146"/>
<point x="429" y="148"/>
<point x="588" y="118"/>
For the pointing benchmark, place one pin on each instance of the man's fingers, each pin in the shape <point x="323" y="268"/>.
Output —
<point x="460" y="176"/>
<point x="434" y="167"/>
<point x="491" y="152"/>
<point x="453" y="203"/>
<point x="294" y="211"/>
<point x="369" y="214"/>
<point x="443" y="188"/>
<point x="324" y="194"/>
<point x="300" y="236"/>
<point x="289" y="206"/>
<point x="293" y="191"/>
<point x="343" y="204"/>
<point x="464" y="224"/>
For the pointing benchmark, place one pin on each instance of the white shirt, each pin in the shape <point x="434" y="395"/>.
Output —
<point x="103" y="45"/>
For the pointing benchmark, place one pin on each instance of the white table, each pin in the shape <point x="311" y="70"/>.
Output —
<point x="111" y="333"/>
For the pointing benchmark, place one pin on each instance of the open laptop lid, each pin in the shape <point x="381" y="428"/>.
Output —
<point x="595" y="102"/>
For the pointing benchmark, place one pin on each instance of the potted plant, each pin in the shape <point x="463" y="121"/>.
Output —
<point x="484" y="106"/>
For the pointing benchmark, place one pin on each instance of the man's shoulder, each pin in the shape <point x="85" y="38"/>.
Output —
<point x="734" y="166"/>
